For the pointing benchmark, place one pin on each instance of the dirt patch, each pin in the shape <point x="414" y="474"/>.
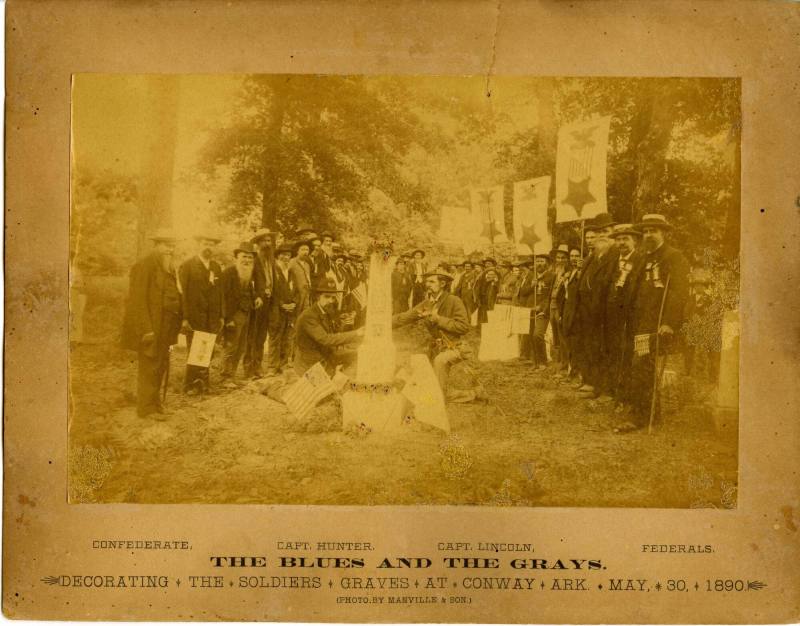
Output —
<point x="534" y="444"/>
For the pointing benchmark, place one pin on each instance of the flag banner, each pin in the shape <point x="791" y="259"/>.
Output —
<point x="530" y="216"/>
<point x="581" y="170"/>
<point x="309" y="390"/>
<point x="487" y="209"/>
<point x="521" y="320"/>
<point x="360" y="294"/>
<point x="641" y="344"/>
<point x="202" y="349"/>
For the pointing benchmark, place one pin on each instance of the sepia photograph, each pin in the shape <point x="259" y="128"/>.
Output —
<point x="404" y="290"/>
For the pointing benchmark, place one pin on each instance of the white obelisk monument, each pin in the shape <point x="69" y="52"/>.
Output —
<point x="371" y="400"/>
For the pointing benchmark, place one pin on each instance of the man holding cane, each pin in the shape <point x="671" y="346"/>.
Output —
<point x="659" y="298"/>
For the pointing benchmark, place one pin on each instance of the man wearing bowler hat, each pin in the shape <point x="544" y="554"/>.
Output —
<point x="263" y="275"/>
<point x="318" y="337"/>
<point x="152" y="321"/>
<point x="659" y="298"/>
<point x="567" y="300"/>
<point x="199" y="278"/>
<point x="560" y="273"/>
<point x="239" y="296"/>
<point x="300" y="271"/>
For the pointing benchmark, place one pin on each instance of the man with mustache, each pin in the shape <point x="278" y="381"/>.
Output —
<point x="239" y="297"/>
<point x="446" y="319"/>
<point x="567" y="298"/>
<point x="659" y="299"/>
<point x="152" y="320"/>
<point x="282" y="313"/>
<point x="318" y="338"/>
<point x="263" y="273"/>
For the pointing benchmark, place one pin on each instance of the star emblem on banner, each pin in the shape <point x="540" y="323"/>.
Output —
<point x="531" y="192"/>
<point x="578" y="194"/>
<point x="489" y="230"/>
<point x="583" y="138"/>
<point x="529" y="236"/>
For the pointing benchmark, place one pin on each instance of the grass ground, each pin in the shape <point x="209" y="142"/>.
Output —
<point x="534" y="444"/>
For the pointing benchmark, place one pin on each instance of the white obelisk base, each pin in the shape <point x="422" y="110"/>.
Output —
<point x="377" y="407"/>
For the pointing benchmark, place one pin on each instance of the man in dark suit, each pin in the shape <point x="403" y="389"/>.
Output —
<point x="593" y="285"/>
<point x="446" y="319"/>
<point x="534" y="292"/>
<point x="418" y="269"/>
<point x="566" y="302"/>
<point x="152" y="320"/>
<point x="239" y="301"/>
<point x="659" y="301"/>
<point x="282" y="314"/>
<point x="402" y="283"/>
<point x="263" y="270"/>
<point x="199" y="278"/>
<point x="300" y="273"/>
<point x="619" y="305"/>
<point x="317" y="337"/>
<point x="322" y="258"/>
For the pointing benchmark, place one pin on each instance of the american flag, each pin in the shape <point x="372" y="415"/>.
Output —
<point x="311" y="388"/>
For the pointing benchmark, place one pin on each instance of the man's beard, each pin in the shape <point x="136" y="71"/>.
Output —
<point x="330" y="308"/>
<point x="166" y="261"/>
<point x="245" y="272"/>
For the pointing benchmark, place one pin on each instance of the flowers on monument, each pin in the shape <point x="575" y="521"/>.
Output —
<point x="383" y="245"/>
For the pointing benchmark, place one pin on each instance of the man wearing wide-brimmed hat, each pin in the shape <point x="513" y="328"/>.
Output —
<point x="318" y="337"/>
<point x="566" y="301"/>
<point x="239" y="297"/>
<point x="446" y="319"/>
<point x="322" y="257"/>
<point x="152" y="320"/>
<point x="593" y="284"/>
<point x="263" y="274"/>
<point x="659" y="298"/>
<point x="200" y="278"/>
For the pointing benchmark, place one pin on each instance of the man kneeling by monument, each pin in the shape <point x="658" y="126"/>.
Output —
<point x="317" y="338"/>
<point x="446" y="319"/>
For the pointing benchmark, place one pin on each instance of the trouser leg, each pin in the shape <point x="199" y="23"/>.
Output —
<point x="277" y="332"/>
<point x="441" y="366"/>
<point x="148" y="385"/>
<point x="539" y="347"/>
<point x="257" y="336"/>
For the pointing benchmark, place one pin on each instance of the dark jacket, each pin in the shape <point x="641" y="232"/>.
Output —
<point x="593" y="284"/>
<point x="154" y="304"/>
<point x="402" y="282"/>
<point x="202" y="294"/>
<point x="534" y="291"/>
<point x="262" y="279"/>
<point x="452" y="321"/>
<point x="235" y="296"/>
<point x="567" y="299"/>
<point x="300" y="271"/>
<point x="666" y="262"/>
<point x="283" y="291"/>
<point x="317" y="339"/>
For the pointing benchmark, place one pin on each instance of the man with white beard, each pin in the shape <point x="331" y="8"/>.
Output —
<point x="239" y="296"/>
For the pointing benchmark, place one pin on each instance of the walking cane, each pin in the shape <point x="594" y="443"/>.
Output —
<point x="658" y="370"/>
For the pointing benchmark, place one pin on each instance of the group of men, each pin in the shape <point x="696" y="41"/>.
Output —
<point x="613" y="314"/>
<point x="259" y="299"/>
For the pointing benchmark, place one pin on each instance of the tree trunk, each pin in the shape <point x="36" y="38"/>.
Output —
<point x="161" y="128"/>
<point x="271" y="192"/>
<point x="733" y="224"/>
<point x="654" y="126"/>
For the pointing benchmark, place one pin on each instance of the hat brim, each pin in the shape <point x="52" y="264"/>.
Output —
<point x="661" y="225"/>
<point x="627" y="231"/>
<point x="238" y="250"/>
<point x="438" y="275"/>
<point x="326" y="290"/>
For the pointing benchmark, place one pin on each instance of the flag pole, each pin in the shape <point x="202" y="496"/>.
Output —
<point x="583" y="226"/>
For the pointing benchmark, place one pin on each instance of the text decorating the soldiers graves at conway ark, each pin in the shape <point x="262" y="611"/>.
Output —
<point x="452" y="575"/>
